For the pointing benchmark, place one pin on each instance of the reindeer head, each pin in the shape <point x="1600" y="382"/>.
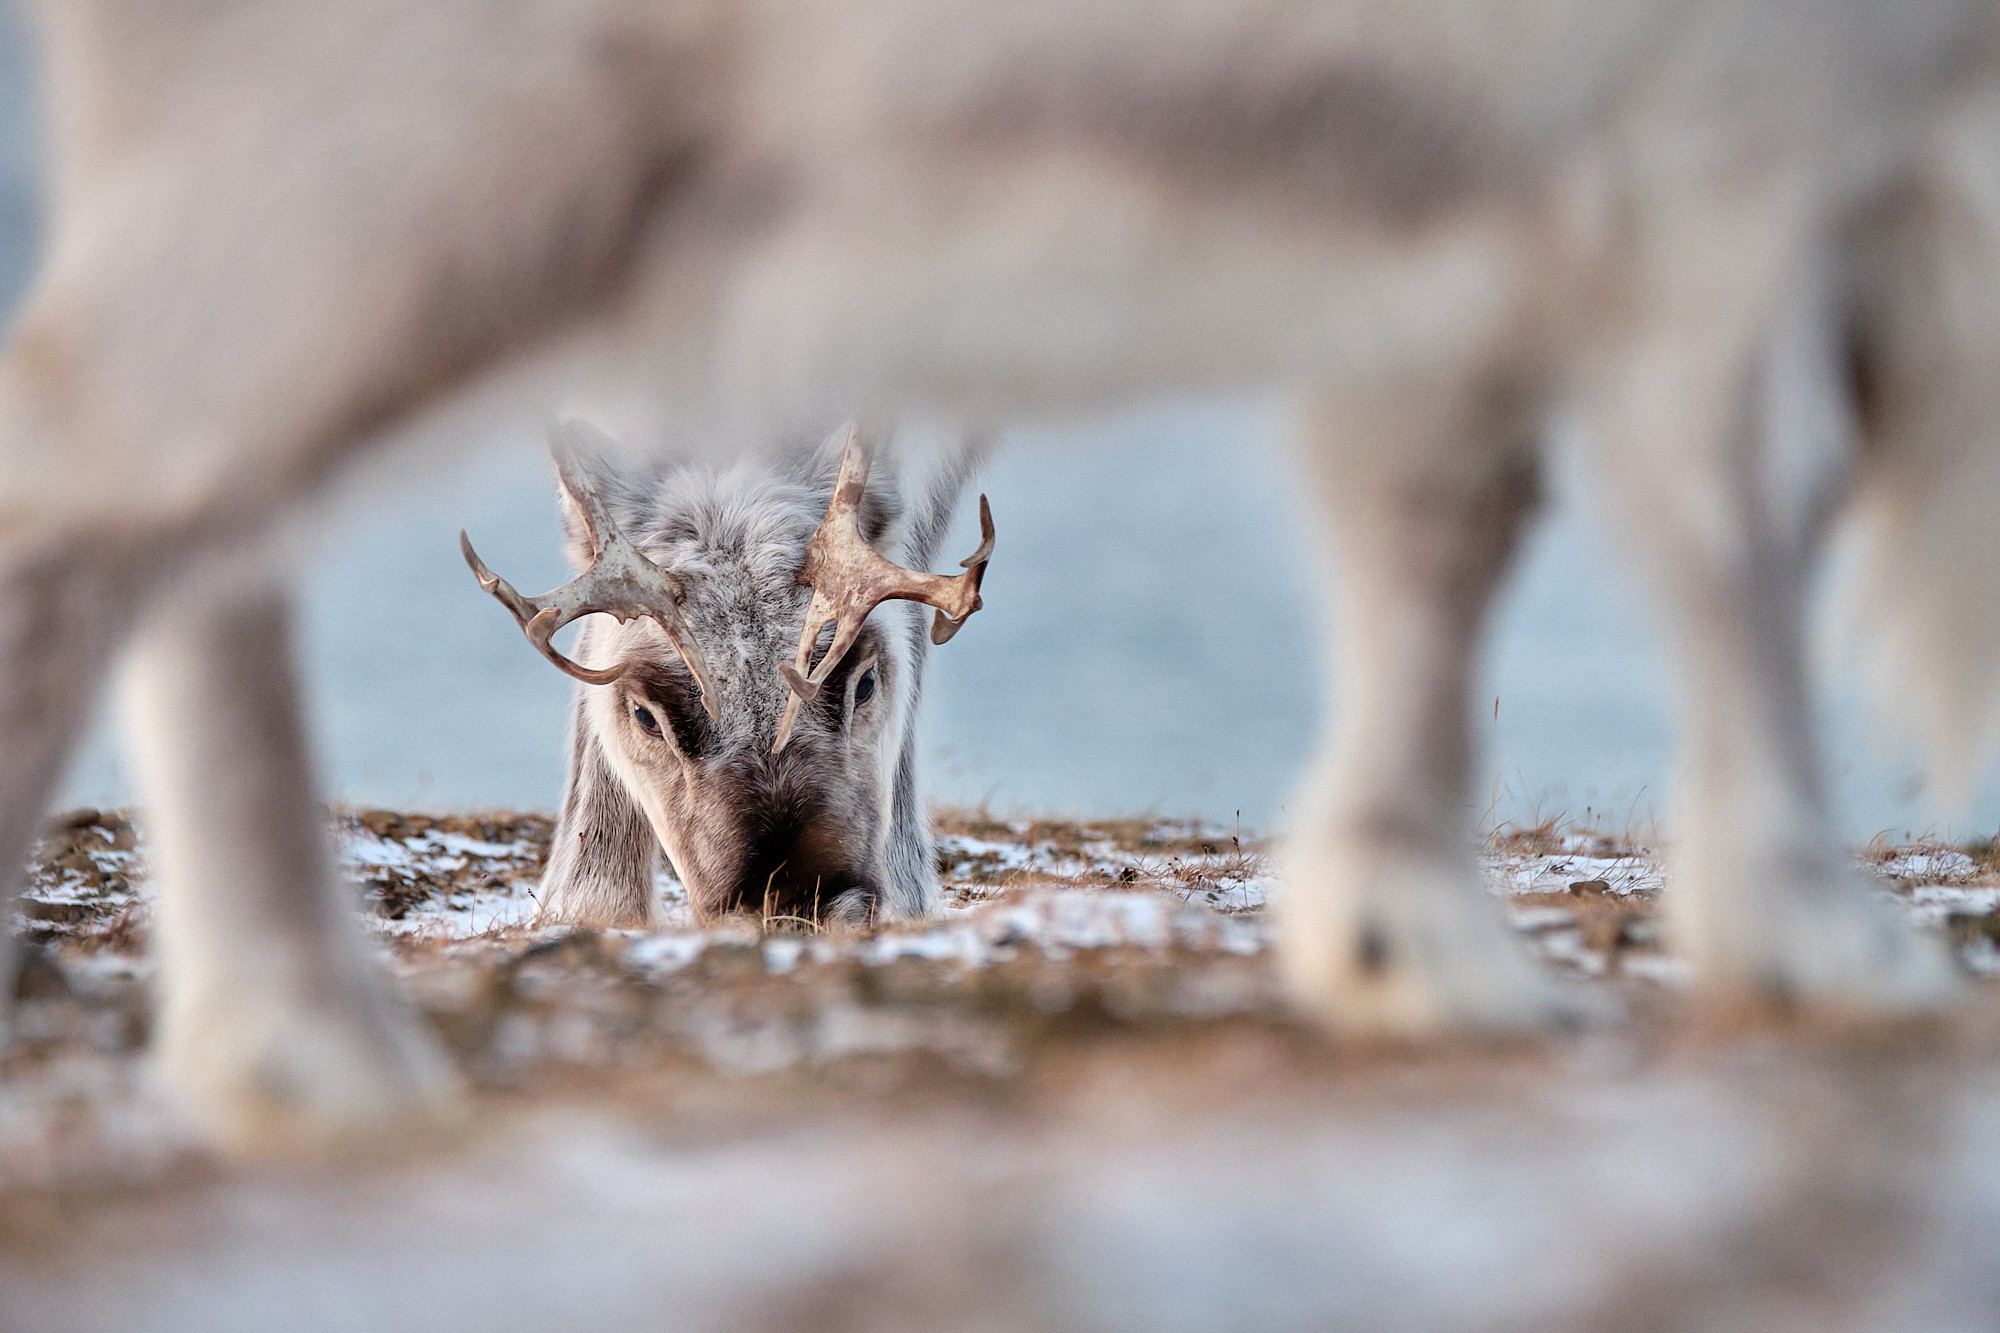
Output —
<point x="703" y="724"/>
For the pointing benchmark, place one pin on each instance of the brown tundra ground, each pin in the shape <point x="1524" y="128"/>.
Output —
<point x="1072" y="1101"/>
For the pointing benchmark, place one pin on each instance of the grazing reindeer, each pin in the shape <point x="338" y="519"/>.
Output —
<point x="1707" y="233"/>
<point x="800" y="802"/>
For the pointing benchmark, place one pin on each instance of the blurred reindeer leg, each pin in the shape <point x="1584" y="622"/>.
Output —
<point x="94" y="525"/>
<point x="274" y="1020"/>
<point x="1723" y="442"/>
<point x="212" y="342"/>
<point x="1387" y="927"/>
<point x="61" y="612"/>
<point x="68" y="584"/>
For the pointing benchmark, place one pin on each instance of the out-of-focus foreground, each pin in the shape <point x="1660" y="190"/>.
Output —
<point x="1071" y="1102"/>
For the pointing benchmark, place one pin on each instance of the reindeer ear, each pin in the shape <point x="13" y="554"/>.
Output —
<point x="946" y="465"/>
<point x="596" y="461"/>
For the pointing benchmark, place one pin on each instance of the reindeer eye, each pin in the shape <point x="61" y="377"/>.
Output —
<point x="647" y="722"/>
<point x="864" y="689"/>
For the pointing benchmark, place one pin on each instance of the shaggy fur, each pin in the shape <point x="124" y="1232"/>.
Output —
<point x="1712" y="234"/>
<point x="834" y="826"/>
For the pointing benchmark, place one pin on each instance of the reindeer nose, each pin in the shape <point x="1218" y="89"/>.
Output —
<point x="801" y="868"/>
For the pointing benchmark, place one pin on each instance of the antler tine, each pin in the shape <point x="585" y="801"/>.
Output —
<point x="503" y="591"/>
<point x="942" y="625"/>
<point x="804" y="688"/>
<point x="849" y="579"/>
<point x="620" y="581"/>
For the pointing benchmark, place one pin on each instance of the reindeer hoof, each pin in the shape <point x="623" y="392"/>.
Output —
<point x="289" y="1073"/>
<point x="1381" y="944"/>
<point x="1805" y="933"/>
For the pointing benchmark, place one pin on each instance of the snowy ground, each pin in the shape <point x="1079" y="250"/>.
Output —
<point x="1071" y="1101"/>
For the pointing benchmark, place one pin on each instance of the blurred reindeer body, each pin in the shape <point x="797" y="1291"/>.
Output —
<point x="835" y="826"/>
<point x="281" y="231"/>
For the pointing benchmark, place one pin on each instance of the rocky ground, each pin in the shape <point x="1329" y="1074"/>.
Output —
<point x="1073" y="1100"/>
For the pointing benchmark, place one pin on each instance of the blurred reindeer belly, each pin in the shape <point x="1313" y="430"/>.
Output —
<point x="1060" y="283"/>
<point x="1042" y="207"/>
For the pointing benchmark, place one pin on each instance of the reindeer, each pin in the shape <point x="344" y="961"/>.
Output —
<point x="1723" y="240"/>
<point x="799" y="802"/>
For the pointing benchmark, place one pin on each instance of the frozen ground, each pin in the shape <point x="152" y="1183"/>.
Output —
<point x="1072" y="1101"/>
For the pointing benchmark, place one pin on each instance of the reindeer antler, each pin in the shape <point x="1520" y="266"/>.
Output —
<point x="849" y="579"/>
<point x="619" y="582"/>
